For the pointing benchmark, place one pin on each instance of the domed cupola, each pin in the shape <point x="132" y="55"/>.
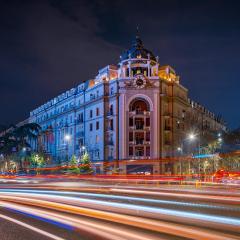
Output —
<point x="137" y="51"/>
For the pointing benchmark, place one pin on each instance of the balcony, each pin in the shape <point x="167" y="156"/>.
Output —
<point x="109" y="128"/>
<point x="139" y="127"/>
<point x="110" y="142"/>
<point x="110" y="158"/>
<point x="166" y="113"/>
<point x="141" y="113"/>
<point x="167" y="128"/>
<point x="167" y="142"/>
<point x="79" y="121"/>
<point x="79" y="134"/>
<point x="139" y="141"/>
<point x="110" y="114"/>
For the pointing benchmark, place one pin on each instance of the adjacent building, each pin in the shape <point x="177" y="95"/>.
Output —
<point x="133" y="116"/>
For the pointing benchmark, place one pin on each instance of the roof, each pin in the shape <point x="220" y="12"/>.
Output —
<point x="137" y="50"/>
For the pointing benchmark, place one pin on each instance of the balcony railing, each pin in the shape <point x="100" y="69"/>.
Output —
<point x="139" y="112"/>
<point x="79" y="121"/>
<point x="80" y="134"/>
<point x="139" y="142"/>
<point x="110" y="113"/>
<point x="167" y="142"/>
<point x="110" y="142"/>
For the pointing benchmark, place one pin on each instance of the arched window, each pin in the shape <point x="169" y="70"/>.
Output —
<point x="139" y="105"/>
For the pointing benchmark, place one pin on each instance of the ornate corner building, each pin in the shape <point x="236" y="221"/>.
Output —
<point x="133" y="116"/>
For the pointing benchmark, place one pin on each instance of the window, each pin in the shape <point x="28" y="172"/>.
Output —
<point x="81" y="143"/>
<point x="147" y="136"/>
<point x="111" y="124"/>
<point x="90" y="126"/>
<point x="111" y="91"/>
<point x="147" y="122"/>
<point x="130" y="136"/>
<point x="130" y="122"/>
<point x="130" y="151"/>
<point x="147" y="151"/>
<point x="111" y="109"/>
<point x="97" y="139"/>
<point x="91" y="114"/>
<point x="80" y="117"/>
<point x="97" y="125"/>
<point x="97" y="111"/>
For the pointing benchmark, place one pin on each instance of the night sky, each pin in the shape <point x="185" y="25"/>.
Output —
<point x="48" y="47"/>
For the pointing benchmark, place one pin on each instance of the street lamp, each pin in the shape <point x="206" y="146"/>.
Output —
<point x="179" y="149"/>
<point x="67" y="138"/>
<point x="191" y="136"/>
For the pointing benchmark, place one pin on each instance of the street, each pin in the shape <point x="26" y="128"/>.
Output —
<point x="56" y="209"/>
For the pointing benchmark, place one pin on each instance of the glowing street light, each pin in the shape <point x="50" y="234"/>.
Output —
<point x="67" y="137"/>
<point x="24" y="149"/>
<point x="179" y="149"/>
<point x="191" y="136"/>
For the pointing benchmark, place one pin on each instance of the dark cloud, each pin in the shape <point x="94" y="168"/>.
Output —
<point x="49" y="46"/>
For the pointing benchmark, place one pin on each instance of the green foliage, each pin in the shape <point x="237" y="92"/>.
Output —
<point x="85" y="167"/>
<point x="36" y="160"/>
<point x="74" y="165"/>
<point x="73" y="161"/>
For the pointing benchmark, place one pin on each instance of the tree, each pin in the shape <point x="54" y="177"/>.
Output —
<point x="37" y="160"/>
<point x="74" y="165"/>
<point x="85" y="166"/>
<point x="15" y="142"/>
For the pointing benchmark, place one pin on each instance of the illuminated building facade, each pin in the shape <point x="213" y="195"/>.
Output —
<point x="131" y="114"/>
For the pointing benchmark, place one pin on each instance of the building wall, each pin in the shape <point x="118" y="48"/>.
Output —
<point x="96" y="116"/>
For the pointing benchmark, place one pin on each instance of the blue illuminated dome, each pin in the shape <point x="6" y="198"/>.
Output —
<point x="138" y="51"/>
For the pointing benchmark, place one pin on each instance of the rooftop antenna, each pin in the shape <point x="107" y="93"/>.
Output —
<point x="137" y="33"/>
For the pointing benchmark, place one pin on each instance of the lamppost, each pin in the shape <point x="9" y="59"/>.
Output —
<point x="180" y="150"/>
<point x="82" y="151"/>
<point x="67" y="138"/>
<point x="193" y="137"/>
<point x="190" y="138"/>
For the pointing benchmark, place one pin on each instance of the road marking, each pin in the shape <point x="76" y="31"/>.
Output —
<point x="31" y="228"/>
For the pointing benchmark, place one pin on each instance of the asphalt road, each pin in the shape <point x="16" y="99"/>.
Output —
<point x="39" y="209"/>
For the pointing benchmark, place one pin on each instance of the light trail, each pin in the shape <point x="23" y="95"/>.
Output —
<point x="139" y="210"/>
<point x="37" y="230"/>
<point x="158" y="226"/>
<point x="126" y="198"/>
<point x="224" y="199"/>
